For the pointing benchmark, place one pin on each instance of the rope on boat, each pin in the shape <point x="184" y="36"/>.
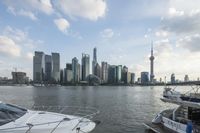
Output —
<point x="65" y="119"/>
<point x="29" y="127"/>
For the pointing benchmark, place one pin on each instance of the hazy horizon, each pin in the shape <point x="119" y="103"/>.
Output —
<point x="121" y="30"/>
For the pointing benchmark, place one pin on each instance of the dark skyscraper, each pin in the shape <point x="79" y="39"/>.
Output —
<point x="173" y="78"/>
<point x="94" y="62"/>
<point x="48" y="67"/>
<point x="75" y="71"/>
<point x="144" y="77"/>
<point x="152" y="65"/>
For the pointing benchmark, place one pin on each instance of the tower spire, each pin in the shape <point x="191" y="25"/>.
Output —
<point x="151" y="48"/>
<point x="152" y="64"/>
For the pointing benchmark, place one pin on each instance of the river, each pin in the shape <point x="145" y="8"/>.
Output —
<point x="123" y="109"/>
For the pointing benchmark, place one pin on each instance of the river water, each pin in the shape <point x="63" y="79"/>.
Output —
<point x="123" y="109"/>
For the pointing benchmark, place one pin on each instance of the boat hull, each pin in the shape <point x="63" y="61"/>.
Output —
<point x="174" y="126"/>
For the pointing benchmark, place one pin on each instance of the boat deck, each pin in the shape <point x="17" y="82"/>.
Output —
<point x="157" y="128"/>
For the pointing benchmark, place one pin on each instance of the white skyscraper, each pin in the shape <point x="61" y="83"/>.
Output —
<point x="56" y="66"/>
<point x="85" y="66"/>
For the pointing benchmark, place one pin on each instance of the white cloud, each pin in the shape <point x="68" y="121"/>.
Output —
<point x="181" y="24"/>
<point x="21" y="37"/>
<point x="170" y="60"/>
<point x="1" y="62"/>
<point x="185" y="5"/>
<point x="27" y="14"/>
<point x="107" y="33"/>
<point x="43" y="6"/>
<point x="173" y="12"/>
<point x="29" y="56"/>
<point x="190" y="42"/>
<point x="62" y="24"/>
<point x="22" y="12"/>
<point x="8" y="47"/>
<point x="161" y="33"/>
<point x="90" y="9"/>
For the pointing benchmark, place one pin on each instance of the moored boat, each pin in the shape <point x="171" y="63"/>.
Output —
<point x="15" y="119"/>
<point x="183" y="119"/>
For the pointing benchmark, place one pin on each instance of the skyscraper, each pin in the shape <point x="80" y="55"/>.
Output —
<point x="104" y="72"/>
<point x="144" y="77"/>
<point x="48" y="67"/>
<point x="112" y="74"/>
<point x="152" y="65"/>
<point x="119" y="73"/>
<point x="132" y="78"/>
<point x="186" y="78"/>
<point x="56" y="66"/>
<point x="75" y="71"/>
<point x="173" y="78"/>
<point x="94" y="62"/>
<point x="85" y="66"/>
<point x="124" y="74"/>
<point x="97" y="70"/>
<point x="69" y="73"/>
<point x="38" y="67"/>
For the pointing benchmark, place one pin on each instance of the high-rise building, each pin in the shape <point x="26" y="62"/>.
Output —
<point x="144" y="77"/>
<point x="69" y="76"/>
<point x="128" y="78"/>
<point x="104" y="72"/>
<point x="56" y="67"/>
<point x="152" y="65"/>
<point x="173" y="78"/>
<point x="38" y="67"/>
<point x="48" y="68"/>
<point x="68" y="73"/>
<point x="85" y="66"/>
<point x="124" y="74"/>
<point x="119" y="73"/>
<point x="132" y="78"/>
<point x="79" y="72"/>
<point x="69" y="66"/>
<point x="94" y="62"/>
<point x="75" y="71"/>
<point x="97" y="70"/>
<point x="61" y="76"/>
<point x="112" y="74"/>
<point x="186" y="78"/>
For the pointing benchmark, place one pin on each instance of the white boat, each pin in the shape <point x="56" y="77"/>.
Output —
<point x="15" y="119"/>
<point x="183" y="119"/>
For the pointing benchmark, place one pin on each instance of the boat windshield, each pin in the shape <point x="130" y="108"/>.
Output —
<point x="10" y="113"/>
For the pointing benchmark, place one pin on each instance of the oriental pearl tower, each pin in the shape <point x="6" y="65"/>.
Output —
<point x="151" y="65"/>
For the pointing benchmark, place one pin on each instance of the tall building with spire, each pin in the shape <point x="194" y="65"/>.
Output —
<point x="152" y="65"/>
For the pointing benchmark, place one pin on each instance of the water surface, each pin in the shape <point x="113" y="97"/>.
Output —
<point x="123" y="109"/>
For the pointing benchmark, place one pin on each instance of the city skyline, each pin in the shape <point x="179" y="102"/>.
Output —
<point x="121" y="38"/>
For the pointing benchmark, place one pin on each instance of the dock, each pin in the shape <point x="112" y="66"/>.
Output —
<point x="157" y="128"/>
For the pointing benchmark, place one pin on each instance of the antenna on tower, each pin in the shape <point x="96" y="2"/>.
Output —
<point x="151" y="47"/>
<point x="15" y="69"/>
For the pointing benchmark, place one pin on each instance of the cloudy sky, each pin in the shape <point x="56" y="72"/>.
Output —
<point x="122" y="31"/>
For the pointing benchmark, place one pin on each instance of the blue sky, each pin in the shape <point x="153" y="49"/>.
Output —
<point x="121" y="30"/>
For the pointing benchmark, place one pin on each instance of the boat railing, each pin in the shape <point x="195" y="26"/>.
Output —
<point x="83" y="112"/>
